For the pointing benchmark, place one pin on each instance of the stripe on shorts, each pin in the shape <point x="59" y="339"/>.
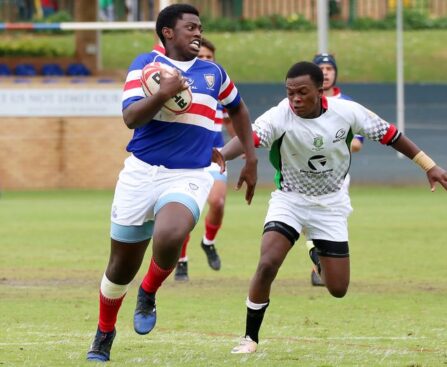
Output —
<point x="186" y="200"/>
<point x="131" y="234"/>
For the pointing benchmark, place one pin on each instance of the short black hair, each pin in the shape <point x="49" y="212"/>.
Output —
<point x="208" y="44"/>
<point x="307" y="68"/>
<point x="168" y="17"/>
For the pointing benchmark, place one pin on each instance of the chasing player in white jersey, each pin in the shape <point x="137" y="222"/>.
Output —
<point x="328" y="66"/>
<point x="163" y="186"/>
<point x="309" y="139"/>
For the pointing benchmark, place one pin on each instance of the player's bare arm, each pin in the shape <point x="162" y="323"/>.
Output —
<point x="242" y="126"/>
<point x="232" y="149"/>
<point x="229" y="127"/>
<point x="218" y="158"/>
<point x="412" y="151"/>
<point x="356" y="145"/>
<point x="144" y="110"/>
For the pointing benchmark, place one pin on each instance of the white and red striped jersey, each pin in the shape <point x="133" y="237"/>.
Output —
<point x="184" y="140"/>
<point x="221" y="115"/>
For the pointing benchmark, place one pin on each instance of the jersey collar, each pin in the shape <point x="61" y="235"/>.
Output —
<point x="337" y="92"/>
<point x="324" y="103"/>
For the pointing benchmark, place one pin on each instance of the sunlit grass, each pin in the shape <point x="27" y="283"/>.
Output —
<point x="54" y="247"/>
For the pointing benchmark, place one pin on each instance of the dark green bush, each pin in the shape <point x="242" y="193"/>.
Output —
<point x="247" y="25"/>
<point x="365" y="24"/>
<point x="263" y="23"/>
<point x="416" y="20"/>
<point x="413" y="20"/>
<point x="59" y="17"/>
<point x="28" y="48"/>
<point x="298" y="22"/>
<point x="440" y="23"/>
<point x="221" y="24"/>
<point x="338" y="24"/>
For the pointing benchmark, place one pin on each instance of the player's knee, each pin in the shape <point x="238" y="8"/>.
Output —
<point x="122" y="272"/>
<point x="267" y="268"/>
<point x="217" y="203"/>
<point x="171" y="237"/>
<point x="338" y="291"/>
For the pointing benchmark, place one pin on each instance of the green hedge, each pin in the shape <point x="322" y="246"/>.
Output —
<point x="33" y="46"/>
<point x="413" y="20"/>
<point x="28" y="47"/>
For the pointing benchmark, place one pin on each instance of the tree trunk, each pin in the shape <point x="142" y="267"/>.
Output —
<point x="87" y="42"/>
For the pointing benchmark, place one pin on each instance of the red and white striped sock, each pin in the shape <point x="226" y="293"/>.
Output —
<point x="110" y="299"/>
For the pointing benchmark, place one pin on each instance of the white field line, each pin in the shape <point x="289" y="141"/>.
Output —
<point x="168" y="337"/>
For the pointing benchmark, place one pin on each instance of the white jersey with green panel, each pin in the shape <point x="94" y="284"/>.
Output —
<point x="312" y="156"/>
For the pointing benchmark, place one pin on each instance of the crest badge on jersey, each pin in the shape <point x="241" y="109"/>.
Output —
<point x="318" y="143"/>
<point x="190" y="83"/>
<point x="210" y="80"/>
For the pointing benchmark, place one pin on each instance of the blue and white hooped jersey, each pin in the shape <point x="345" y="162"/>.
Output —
<point x="185" y="140"/>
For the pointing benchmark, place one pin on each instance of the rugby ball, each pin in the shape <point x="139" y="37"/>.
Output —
<point x="150" y="82"/>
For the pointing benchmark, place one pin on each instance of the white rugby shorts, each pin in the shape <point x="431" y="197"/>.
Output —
<point x="214" y="170"/>
<point x="143" y="189"/>
<point x="322" y="217"/>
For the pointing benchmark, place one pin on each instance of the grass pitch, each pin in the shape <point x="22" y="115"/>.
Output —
<point x="54" y="247"/>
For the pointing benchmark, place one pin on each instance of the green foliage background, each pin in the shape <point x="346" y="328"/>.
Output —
<point x="265" y="56"/>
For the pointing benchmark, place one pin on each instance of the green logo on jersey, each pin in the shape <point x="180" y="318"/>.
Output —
<point x="318" y="142"/>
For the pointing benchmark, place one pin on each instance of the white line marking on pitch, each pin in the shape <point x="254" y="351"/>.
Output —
<point x="347" y="338"/>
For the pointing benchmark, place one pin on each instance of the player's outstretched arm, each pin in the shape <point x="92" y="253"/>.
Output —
<point x="437" y="174"/>
<point x="242" y="126"/>
<point x="356" y="145"/>
<point x="232" y="149"/>
<point x="412" y="151"/>
<point x="218" y="158"/>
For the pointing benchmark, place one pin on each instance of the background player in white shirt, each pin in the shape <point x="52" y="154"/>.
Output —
<point x="218" y="193"/>
<point x="309" y="139"/>
<point x="163" y="186"/>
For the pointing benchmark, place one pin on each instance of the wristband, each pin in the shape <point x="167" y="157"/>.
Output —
<point x="424" y="161"/>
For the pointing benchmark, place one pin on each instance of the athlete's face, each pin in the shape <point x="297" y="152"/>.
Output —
<point x="304" y="96"/>
<point x="329" y="75"/>
<point x="183" y="41"/>
<point x="206" y="54"/>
